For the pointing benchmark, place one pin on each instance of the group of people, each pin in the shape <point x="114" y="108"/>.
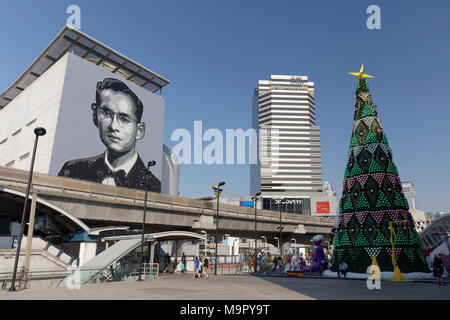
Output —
<point x="201" y="268"/>
<point x="275" y="263"/>
<point x="295" y="263"/>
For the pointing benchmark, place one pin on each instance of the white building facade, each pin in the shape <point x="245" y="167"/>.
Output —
<point x="289" y="171"/>
<point x="410" y="194"/>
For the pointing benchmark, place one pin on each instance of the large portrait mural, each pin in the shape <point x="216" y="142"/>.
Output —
<point x="108" y="129"/>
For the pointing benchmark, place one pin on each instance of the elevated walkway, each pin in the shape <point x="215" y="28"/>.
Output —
<point x="105" y="259"/>
<point x="436" y="233"/>
<point x="109" y="265"/>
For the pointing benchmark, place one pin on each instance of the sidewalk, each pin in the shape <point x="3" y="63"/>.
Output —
<point x="231" y="287"/>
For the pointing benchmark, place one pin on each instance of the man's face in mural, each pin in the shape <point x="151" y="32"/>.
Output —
<point x="118" y="127"/>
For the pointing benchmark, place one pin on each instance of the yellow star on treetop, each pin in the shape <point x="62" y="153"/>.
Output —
<point x="361" y="73"/>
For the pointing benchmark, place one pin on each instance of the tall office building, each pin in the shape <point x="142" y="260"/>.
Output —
<point x="289" y="171"/>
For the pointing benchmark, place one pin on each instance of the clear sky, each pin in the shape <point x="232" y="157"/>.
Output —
<point x="214" y="52"/>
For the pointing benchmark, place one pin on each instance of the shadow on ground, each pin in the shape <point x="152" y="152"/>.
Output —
<point x="346" y="289"/>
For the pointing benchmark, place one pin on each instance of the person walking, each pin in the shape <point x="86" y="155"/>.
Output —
<point x="438" y="269"/>
<point x="166" y="269"/>
<point x="205" y="268"/>
<point x="275" y="263"/>
<point x="342" y="269"/>
<point x="197" y="268"/>
<point x="183" y="263"/>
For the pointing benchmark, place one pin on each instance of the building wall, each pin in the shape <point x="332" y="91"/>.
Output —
<point x="410" y="194"/>
<point x="333" y="204"/>
<point x="170" y="173"/>
<point x="36" y="106"/>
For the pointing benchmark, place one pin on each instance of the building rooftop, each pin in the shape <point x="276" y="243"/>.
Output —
<point x="82" y="45"/>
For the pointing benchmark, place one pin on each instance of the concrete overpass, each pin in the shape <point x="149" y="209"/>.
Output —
<point x="97" y="205"/>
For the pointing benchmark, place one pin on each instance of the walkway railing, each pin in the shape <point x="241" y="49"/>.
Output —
<point x="44" y="278"/>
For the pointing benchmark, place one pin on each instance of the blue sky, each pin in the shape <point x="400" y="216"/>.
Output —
<point x="214" y="52"/>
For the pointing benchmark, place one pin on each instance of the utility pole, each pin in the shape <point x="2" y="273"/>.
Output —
<point x="218" y="191"/>
<point x="147" y="173"/>
<point x="280" y="227"/>
<point x="38" y="132"/>
<point x="255" y="199"/>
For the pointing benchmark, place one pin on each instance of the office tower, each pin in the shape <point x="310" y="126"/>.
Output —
<point x="290" y="170"/>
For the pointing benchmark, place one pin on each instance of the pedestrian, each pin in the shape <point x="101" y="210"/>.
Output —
<point x="302" y="263"/>
<point x="197" y="268"/>
<point x="342" y="268"/>
<point x="167" y="261"/>
<point x="438" y="269"/>
<point x="205" y="268"/>
<point x="310" y="257"/>
<point x="183" y="263"/>
<point x="275" y="263"/>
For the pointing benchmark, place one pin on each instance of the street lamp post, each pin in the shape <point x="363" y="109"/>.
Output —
<point x="233" y="251"/>
<point x="217" y="190"/>
<point x="280" y="227"/>
<point x="265" y="241"/>
<point x="38" y="132"/>
<point x="255" y="199"/>
<point x="278" y="243"/>
<point x="328" y="246"/>
<point x="147" y="173"/>
<point x="205" y="242"/>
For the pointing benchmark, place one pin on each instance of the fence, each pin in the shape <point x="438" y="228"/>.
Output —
<point x="42" y="278"/>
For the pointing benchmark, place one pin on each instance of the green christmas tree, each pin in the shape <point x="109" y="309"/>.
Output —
<point x="373" y="193"/>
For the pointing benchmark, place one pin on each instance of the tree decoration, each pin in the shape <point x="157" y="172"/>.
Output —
<point x="372" y="197"/>
<point x="347" y="218"/>
<point x="378" y="216"/>
<point x="396" y="253"/>
<point x="381" y="240"/>
<point x="361" y="217"/>
<point x="362" y="203"/>
<point x="382" y="200"/>
<point x="372" y="251"/>
<point x="410" y="254"/>
<point x="361" y="240"/>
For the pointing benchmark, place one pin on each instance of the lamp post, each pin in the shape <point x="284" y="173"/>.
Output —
<point x="280" y="227"/>
<point x="38" y="132"/>
<point x="233" y="255"/>
<point x="295" y="248"/>
<point x="265" y="241"/>
<point x="328" y="246"/>
<point x="278" y="243"/>
<point x="218" y="191"/>
<point x="205" y="242"/>
<point x="147" y="173"/>
<point x="255" y="199"/>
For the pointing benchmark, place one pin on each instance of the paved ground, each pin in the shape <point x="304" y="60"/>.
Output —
<point x="232" y="287"/>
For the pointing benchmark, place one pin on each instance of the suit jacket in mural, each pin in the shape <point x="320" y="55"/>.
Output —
<point x="95" y="169"/>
